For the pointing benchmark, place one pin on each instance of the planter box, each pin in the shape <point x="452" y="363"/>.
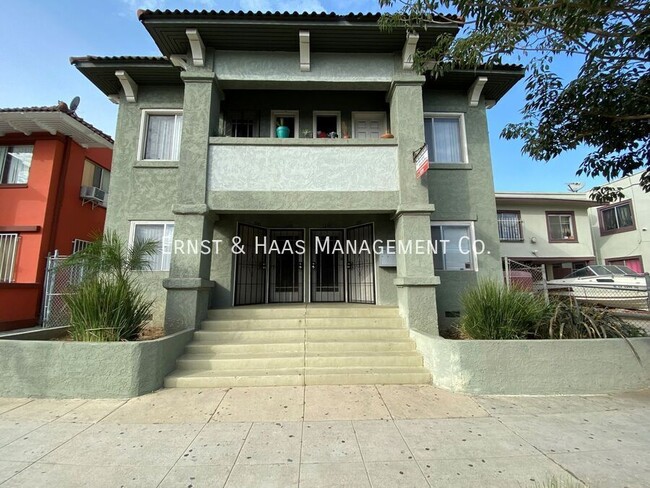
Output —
<point x="536" y="367"/>
<point x="65" y="369"/>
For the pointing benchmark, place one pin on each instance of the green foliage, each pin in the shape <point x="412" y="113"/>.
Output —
<point x="492" y="311"/>
<point x="107" y="309"/>
<point x="108" y="304"/>
<point x="570" y="321"/>
<point x="605" y="106"/>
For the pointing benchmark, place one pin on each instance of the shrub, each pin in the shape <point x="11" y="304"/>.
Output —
<point x="105" y="309"/>
<point x="569" y="320"/>
<point x="108" y="304"/>
<point x="492" y="311"/>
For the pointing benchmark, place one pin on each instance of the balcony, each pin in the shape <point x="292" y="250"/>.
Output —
<point x="303" y="174"/>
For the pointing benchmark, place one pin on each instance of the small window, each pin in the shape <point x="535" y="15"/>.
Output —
<point x="561" y="227"/>
<point x="288" y="119"/>
<point x="15" y="162"/>
<point x="445" y="138"/>
<point x="509" y="226"/>
<point x="8" y="251"/>
<point x="163" y="234"/>
<point x="327" y="124"/>
<point x="242" y="124"/>
<point x="453" y="246"/>
<point x="617" y="218"/>
<point x="162" y="136"/>
<point x="95" y="176"/>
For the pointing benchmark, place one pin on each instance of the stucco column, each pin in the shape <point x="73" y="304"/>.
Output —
<point x="188" y="286"/>
<point x="416" y="279"/>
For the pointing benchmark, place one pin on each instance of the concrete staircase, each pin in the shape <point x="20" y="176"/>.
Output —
<point x="313" y="344"/>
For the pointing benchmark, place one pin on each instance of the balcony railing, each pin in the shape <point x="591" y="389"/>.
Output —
<point x="8" y="252"/>
<point x="510" y="230"/>
<point x="302" y="165"/>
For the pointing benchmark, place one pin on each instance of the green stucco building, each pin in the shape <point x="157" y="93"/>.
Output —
<point x="199" y="156"/>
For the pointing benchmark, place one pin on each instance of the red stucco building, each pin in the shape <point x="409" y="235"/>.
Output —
<point x="54" y="175"/>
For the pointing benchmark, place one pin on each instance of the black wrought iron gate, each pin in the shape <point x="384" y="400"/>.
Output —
<point x="360" y="264"/>
<point x="250" y="266"/>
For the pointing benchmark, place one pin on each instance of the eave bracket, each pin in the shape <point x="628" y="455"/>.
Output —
<point x="474" y="92"/>
<point x="128" y="85"/>
<point x="305" y="64"/>
<point x="197" y="46"/>
<point x="410" y="45"/>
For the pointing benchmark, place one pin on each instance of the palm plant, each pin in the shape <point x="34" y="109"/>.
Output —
<point x="108" y="304"/>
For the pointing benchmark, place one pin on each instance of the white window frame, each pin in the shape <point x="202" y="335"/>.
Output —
<point x="463" y="135"/>
<point x="165" y="223"/>
<point x="144" y="127"/>
<point x="472" y="236"/>
<point x="286" y="113"/>
<point x="8" y="263"/>
<point x="317" y="113"/>
<point x="356" y="115"/>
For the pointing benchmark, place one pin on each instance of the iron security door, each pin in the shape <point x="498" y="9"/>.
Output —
<point x="250" y="268"/>
<point x="360" y="264"/>
<point x="327" y="265"/>
<point x="286" y="259"/>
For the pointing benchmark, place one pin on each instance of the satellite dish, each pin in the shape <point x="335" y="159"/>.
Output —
<point x="74" y="104"/>
<point x="575" y="187"/>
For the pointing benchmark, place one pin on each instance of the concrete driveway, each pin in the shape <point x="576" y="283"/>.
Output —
<point x="361" y="436"/>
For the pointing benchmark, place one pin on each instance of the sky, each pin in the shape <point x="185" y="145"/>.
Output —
<point x="43" y="34"/>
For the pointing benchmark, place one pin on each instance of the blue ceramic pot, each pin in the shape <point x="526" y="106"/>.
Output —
<point x="282" y="132"/>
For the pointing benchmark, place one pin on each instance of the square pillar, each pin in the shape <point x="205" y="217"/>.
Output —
<point x="416" y="279"/>
<point x="188" y="286"/>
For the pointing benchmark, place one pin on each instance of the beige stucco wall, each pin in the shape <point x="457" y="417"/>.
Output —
<point x="631" y="243"/>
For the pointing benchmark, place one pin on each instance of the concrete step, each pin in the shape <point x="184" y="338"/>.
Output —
<point x="236" y="377"/>
<point x="266" y="361"/>
<point x="367" y="376"/>
<point x="308" y="323"/>
<point x="325" y="346"/>
<point x="372" y="360"/>
<point x="290" y="335"/>
<point x="246" y="348"/>
<point x="302" y="311"/>
<point x="274" y="361"/>
<point x="308" y="376"/>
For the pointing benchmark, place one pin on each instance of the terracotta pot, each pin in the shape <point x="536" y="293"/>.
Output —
<point x="387" y="135"/>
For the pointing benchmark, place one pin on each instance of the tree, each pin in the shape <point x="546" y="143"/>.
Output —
<point x="606" y="106"/>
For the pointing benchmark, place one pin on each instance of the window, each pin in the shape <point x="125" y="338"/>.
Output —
<point x="8" y="248"/>
<point x="286" y="119"/>
<point x="327" y="124"/>
<point x="161" y="140"/>
<point x="242" y="124"/>
<point x="445" y="138"/>
<point x="453" y="246"/>
<point x="561" y="226"/>
<point x="616" y="218"/>
<point x="163" y="234"/>
<point x="95" y="176"/>
<point x="509" y="223"/>
<point x="15" y="162"/>
<point x="634" y="263"/>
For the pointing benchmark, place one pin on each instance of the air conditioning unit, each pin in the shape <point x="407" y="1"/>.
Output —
<point x="93" y="195"/>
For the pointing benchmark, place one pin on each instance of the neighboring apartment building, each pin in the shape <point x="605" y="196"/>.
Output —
<point x="54" y="170"/>
<point x="197" y="157"/>
<point x="620" y="230"/>
<point x="550" y="229"/>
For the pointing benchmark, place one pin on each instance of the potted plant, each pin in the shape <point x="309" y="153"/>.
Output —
<point x="282" y="131"/>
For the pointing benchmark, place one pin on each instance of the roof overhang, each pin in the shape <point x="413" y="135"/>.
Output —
<point x="492" y="83"/>
<point x="574" y="199"/>
<point x="277" y="31"/>
<point x="30" y="122"/>
<point x="142" y="70"/>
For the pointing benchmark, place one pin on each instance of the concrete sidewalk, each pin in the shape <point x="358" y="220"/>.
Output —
<point x="362" y="436"/>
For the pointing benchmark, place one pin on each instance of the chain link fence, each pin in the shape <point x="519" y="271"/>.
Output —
<point x="631" y="302"/>
<point x="59" y="282"/>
